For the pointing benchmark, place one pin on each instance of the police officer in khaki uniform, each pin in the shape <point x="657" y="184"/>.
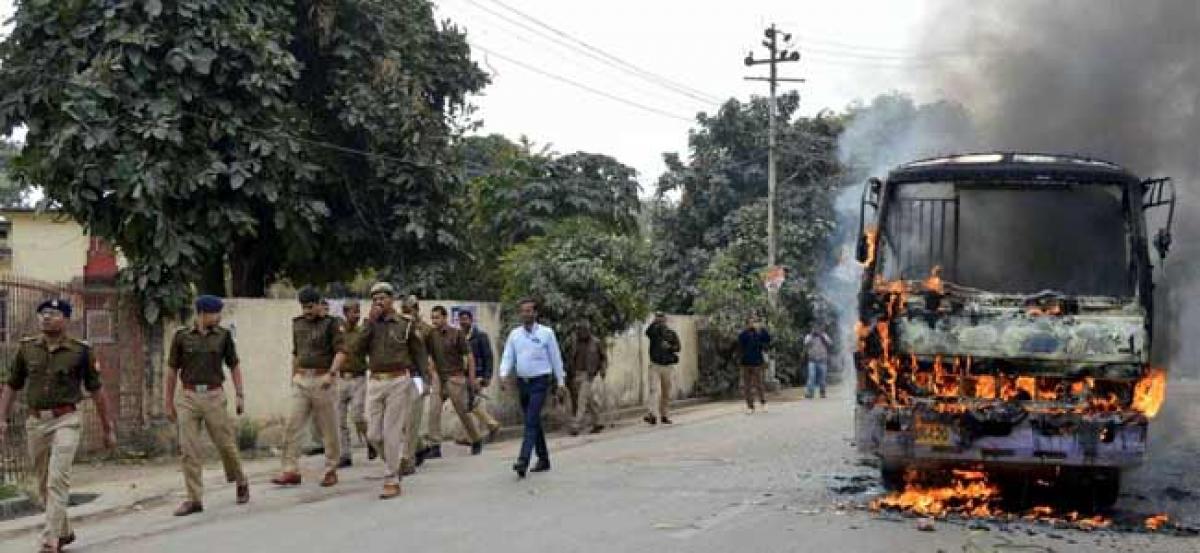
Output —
<point x="195" y="359"/>
<point x="316" y="339"/>
<point x="395" y="355"/>
<point x="55" y="367"/>
<point x="417" y="450"/>
<point x="352" y="385"/>
<point x="455" y="374"/>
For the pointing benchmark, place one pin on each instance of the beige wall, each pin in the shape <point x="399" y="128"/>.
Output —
<point x="46" y="246"/>
<point x="262" y="330"/>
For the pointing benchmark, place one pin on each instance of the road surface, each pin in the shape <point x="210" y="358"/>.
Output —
<point x="717" y="481"/>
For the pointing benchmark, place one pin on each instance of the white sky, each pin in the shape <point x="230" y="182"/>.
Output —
<point x="852" y="49"/>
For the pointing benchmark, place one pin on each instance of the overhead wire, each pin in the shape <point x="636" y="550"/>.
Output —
<point x="594" y="52"/>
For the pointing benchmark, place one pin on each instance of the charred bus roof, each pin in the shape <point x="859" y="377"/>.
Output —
<point x="1012" y="166"/>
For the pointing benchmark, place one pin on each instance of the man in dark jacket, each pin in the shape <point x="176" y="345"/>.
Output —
<point x="752" y="342"/>
<point x="481" y="348"/>
<point x="664" y="350"/>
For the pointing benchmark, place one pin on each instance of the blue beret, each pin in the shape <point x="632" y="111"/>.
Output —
<point x="62" y="305"/>
<point x="209" y="304"/>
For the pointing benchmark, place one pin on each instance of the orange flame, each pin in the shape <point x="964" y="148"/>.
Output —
<point x="872" y="243"/>
<point x="1156" y="522"/>
<point x="1149" y="393"/>
<point x="934" y="282"/>
<point x="970" y="494"/>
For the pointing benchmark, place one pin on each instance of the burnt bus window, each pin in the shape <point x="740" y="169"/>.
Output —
<point x="1011" y="239"/>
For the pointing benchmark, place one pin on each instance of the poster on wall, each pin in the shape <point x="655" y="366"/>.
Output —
<point x="456" y="309"/>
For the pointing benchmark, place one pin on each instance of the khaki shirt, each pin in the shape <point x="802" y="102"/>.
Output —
<point x="432" y="347"/>
<point x="454" y="347"/>
<point x="55" y="373"/>
<point x="390" y="343"/>
<point x="198" y="355"/>
<point x="355" y="363"/>
<point x="315" y="341"/>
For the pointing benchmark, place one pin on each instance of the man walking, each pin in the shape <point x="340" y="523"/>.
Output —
<point x="590" y="362"/>
<point x="664" y="355"/>
<point x="455" y="373"/>
<point x="316" y="339"/>
<point x="816" y="349"/>
<point x="57" y="369"/>
<point x="752" y="342"/>
<point x="352" y="386"/>
<point x="395" y="355"/>
<point x="415" y="450"/>
<point x="195" y="359"/>
<point x="532" y="352"/>
<point x="481" y="350"/>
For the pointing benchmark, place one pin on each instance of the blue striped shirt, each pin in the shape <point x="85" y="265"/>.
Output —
<point x="532" y="353"/>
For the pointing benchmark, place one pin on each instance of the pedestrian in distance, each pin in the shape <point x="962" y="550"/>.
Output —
<point x="54" y="369"/>
<point x="590" y="362"/>
<point x="481" y="349"/>
<point x="395" y="355"/>
<point x="531" y="352"/>
<point x="456" y="375"/>
<point x="752" y="345"/>
<point x="195" y="361"/>
<point x="816" y="349"/>
<point x="664" y="355"/>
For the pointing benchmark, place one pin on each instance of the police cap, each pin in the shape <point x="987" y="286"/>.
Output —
<point x="61" y="305"/>
<point x="209" y="304"/>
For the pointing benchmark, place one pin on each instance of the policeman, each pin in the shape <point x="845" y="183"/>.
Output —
<point x="316" y="339"/>
<point x="395" y="355"/>
<point x="55" y="366"/>
<point x="195" y="359"/>
<point x="417" y="449"/>
<point x="352" y="385"/>
<point x="456" y="376"/>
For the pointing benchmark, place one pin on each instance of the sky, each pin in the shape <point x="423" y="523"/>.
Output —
<point x="851" y="49"/>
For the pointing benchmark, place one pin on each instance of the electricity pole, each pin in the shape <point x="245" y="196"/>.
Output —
<point x="776" y="56"/>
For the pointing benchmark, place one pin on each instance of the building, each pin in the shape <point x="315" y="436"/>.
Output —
<point x="50" y="247"/>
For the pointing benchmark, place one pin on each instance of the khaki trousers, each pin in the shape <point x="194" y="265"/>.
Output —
<point x="483" y="417"/>
<point x="311" y="399"/>
<point x="52" y="445"/>
<point x="351" y="407"/>
<point x="588" y="411"/>
<point x="208" y="410"/>
<point x="453" y="388"/>
<point x="658" y="401"/>
<point x="752" y="382"/>
<point x="389" y="403"/>
<point x="416" y="413"/>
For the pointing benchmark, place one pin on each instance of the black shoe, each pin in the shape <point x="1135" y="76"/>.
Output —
<point x="541" y="466"/>
<point x="650" y="419"/>
<point x="596" y="429"/>
<point x="521" y="468"/>
<point x="665" y="420"/>
<point x="822" y="395"/>
<point x="371" y="453"/>
<point x="573" y="432"/>
<point x="434" y="452"/>
<point x="420" y="454"/>
<point x="477" y="448"/>
<point x="314" y="451"/>
<point x="345" y="462"/>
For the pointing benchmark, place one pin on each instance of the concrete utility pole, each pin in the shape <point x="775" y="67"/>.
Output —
<point x="776" y="56"/>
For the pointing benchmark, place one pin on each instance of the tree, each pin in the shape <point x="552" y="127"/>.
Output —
<point x="12" y="192"/>
<point x="580" y="271"/>
<point x="191" y="133"/>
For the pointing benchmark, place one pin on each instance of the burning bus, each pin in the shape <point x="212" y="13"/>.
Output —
<point x="1004" y="318"/>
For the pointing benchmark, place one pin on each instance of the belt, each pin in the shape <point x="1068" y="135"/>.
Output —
<point x="53" y="412"/>
<point x="532" y="378"/>
<point x="201" y="388"/>
<point x="347" y="374"/>
<point x="388" y="375"/>
<point x="311" y="372"/>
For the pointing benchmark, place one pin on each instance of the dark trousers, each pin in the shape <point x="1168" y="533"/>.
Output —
<point x="752" y="381"/>
<point x="533" y="397"/>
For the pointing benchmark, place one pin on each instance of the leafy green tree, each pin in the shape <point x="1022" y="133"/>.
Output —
<point x="12" y="192"/>
<point x="194" y="133"/>
<point x="580" y="271"/>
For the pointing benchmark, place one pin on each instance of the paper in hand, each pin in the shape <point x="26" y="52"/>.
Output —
<point x="420" y="384"/>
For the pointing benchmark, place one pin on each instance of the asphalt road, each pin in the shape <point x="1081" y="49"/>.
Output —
<point x="717" y="481"/>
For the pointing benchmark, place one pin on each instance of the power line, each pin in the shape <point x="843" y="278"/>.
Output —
<point x="580" y="85"/>
<point x="598" y="53"/>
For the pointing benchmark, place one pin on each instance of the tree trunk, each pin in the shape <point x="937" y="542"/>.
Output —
<point x="248" y="267"/>
<point x="212" y="278"/>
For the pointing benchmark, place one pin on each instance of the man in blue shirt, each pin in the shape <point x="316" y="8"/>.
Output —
<point x="532" y="351"/>
<point x="752" y="342"/>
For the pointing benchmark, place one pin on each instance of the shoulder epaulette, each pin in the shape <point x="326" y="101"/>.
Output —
<point x="29" y="339"/>
<point x="81" y="342"/>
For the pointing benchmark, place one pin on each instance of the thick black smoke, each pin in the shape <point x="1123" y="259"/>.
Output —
<point x="1113" y="79"/>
